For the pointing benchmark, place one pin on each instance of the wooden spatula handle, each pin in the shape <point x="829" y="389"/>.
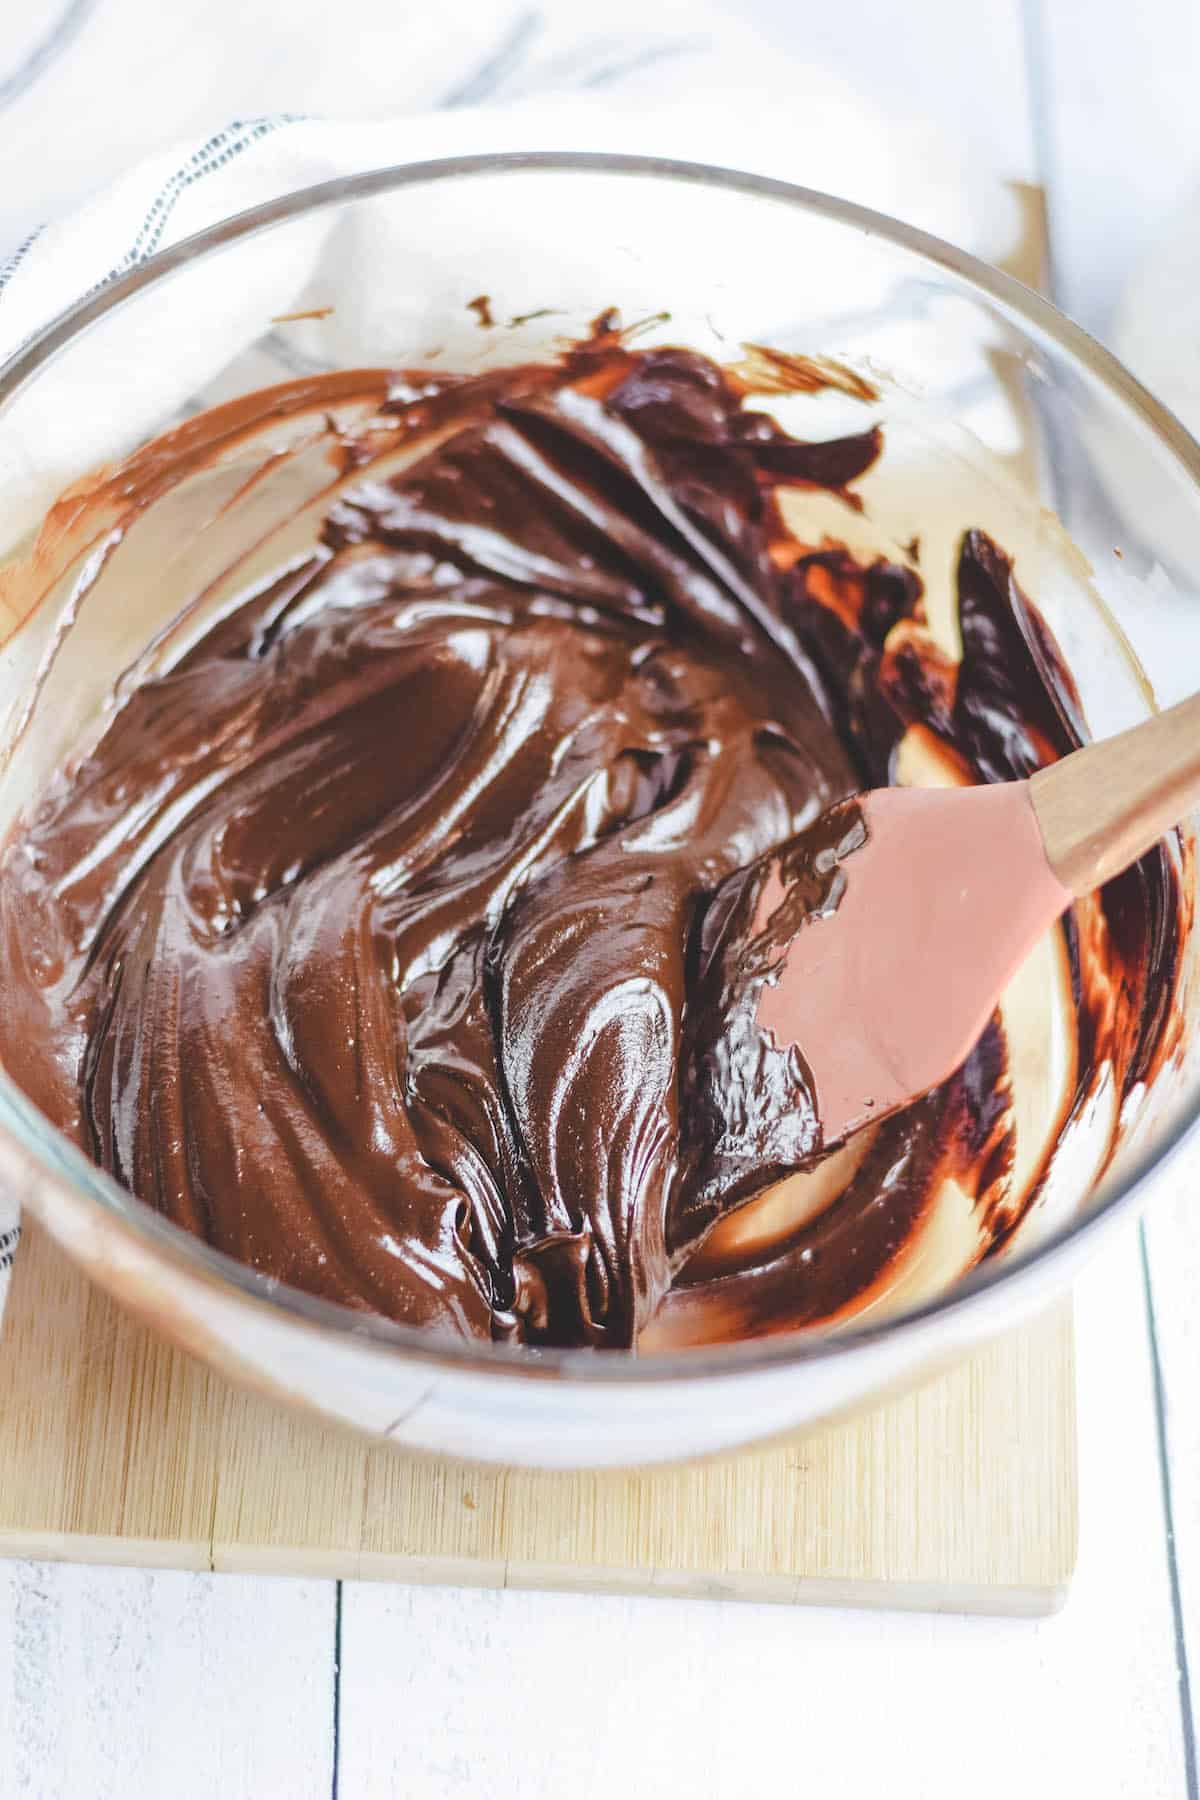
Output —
<point x="1103" y="807"/>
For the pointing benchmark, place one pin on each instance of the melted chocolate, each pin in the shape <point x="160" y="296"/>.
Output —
<point x="395" y="939"/>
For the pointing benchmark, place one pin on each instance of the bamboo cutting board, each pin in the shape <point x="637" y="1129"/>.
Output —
<point x="115" y="1448"/>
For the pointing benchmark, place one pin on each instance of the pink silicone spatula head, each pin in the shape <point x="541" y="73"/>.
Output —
<point x="885" y="995"/>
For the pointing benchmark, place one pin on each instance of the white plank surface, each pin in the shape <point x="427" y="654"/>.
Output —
<point x="116" y="1684"/>
<point x="446" y="1693"/>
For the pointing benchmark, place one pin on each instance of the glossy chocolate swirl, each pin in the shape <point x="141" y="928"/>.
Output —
<point x="383" y="938"/>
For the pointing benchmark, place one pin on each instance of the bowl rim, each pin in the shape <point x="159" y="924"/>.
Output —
<point x="59" y="1159"/>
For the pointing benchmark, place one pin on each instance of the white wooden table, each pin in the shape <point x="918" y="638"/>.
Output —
<point x="131" y="1684"/>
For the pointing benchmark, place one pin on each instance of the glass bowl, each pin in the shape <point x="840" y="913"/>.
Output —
<point x="997" y="410"/>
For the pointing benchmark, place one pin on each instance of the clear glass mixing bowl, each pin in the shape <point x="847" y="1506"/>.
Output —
<point x="999" y="413"/>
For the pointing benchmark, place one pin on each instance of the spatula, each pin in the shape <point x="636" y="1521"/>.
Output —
<point x="885" y="994"/>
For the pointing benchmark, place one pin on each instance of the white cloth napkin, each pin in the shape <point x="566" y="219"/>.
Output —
<point x="107" y="81"/>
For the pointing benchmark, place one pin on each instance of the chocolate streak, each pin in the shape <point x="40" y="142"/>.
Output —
<point x="384" y="939"/>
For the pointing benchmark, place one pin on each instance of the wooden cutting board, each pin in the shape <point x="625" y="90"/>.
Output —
<point x="115" y="1448"/>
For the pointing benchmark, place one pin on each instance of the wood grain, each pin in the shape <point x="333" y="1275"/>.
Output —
<point x="1101" y="807"/>
<point x="116" y="1448"/>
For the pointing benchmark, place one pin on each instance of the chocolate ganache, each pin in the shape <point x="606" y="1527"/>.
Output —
<point x="390" y="936"/>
